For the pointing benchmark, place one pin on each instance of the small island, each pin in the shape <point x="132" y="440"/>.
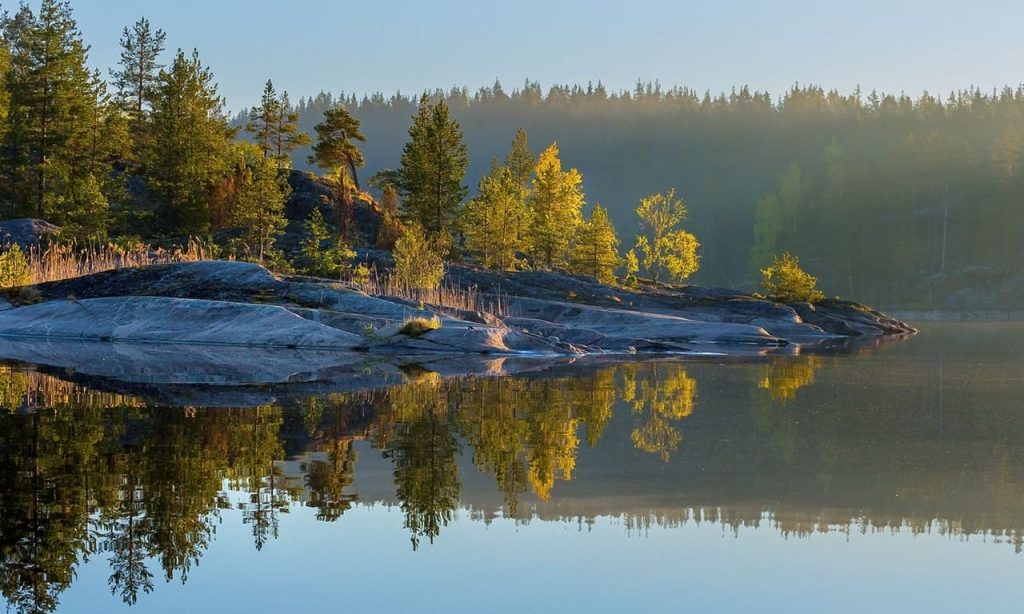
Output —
<point x="164" y="231"/>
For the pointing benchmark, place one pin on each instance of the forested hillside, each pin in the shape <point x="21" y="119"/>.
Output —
<point x="888" y="198"/>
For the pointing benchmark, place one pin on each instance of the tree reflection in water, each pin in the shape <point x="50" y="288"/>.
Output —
<point x="86" y="473"/>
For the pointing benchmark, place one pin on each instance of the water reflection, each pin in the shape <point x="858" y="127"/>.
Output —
<point x="144" y="487"/>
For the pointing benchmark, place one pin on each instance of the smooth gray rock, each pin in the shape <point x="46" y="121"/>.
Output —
<point x="173" y="320"/>
<point x="25" y="232"/>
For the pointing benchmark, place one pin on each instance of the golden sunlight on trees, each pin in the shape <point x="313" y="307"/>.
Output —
<point x="556" y="205"/>
<point x="418" y="260"/>
<point x="667" y="249"/>
<point x="595" y="249"/>
<point x="493" y="220"/>
<point x="786" y="282"/>
<point x="434" y="164"/>
<point x="14" y="268"/>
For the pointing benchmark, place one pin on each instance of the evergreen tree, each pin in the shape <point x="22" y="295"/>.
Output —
<point x="520" y="160"/>
<point x="335" y="150"/>
<point x="274" y="128"/>
<point x="258" y="209"/>
<point x="491" y="220"/>
<point x="595" y="250"/>
<point x="264" y="118"/>
<point x="137" y="78"/>
<point x="433" y="167"/>
<point x="190" y="144"/>
<point x="555" y="206"/>
<point x="287" y="136"/>
<point x="319" y="256"/>
<point x="665" y="246"/>
<point x="50" y="91"/>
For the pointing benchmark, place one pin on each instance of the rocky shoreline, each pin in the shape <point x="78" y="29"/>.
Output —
<point x="237" y="323"/>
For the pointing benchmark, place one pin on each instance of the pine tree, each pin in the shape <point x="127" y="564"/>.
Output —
<point x="492" y="219"/>
<point x="555" y="207"/>
<point x="520" y="160"/>
<point x="335" y="149"/>
<point x="336" y="152"/>
<point x="264" y="118"/>
<point x="136" y="80"/>
<point x="433" y="167"/>
<point x="190" y="144"/>
<point x="521" y="163"/>
<point x="258" y="209"/>
<point x="595" y="249"/>
<point x="318" y="255"/>
<point x="50" y="90"/>
<point x="287" y="136"/>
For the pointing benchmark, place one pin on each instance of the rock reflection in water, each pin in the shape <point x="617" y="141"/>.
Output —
<point x="143" y="487"/>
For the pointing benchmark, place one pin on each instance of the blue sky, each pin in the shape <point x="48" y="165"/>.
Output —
<point x="388" y="45"/>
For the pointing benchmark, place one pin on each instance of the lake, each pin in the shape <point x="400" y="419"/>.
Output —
<point x="886" y="477"/>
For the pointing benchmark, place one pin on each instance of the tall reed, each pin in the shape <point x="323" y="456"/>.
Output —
<point x="68" y="260"/>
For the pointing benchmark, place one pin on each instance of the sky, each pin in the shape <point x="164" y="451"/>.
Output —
<point x="363" y="46"/>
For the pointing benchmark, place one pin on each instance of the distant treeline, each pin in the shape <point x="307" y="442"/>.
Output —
<point x="880" y="194"/>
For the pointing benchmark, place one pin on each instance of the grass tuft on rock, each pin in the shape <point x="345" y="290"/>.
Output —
<point x="416" y="327"/>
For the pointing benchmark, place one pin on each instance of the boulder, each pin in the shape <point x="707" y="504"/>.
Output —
<point x="25" y="232"/>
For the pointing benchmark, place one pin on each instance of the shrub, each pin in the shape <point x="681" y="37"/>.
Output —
<point x="319" y="256"/>
<point x="786" y="282"/>
<point x="418" y="260"/>
<point x="14" y="268"/>
<point x="419" y="326"/>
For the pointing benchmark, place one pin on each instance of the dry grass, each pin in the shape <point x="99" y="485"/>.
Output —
<point x="448" y="299"/>
<point x="66" y="261"/>
<point x="414" y="327"/>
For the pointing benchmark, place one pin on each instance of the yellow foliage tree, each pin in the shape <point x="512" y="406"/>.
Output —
<point x="418" y="260"/>
<point x="595" y="250"/>
<point x="786" y="282"/>
<point x="556" y="206"/>
<point x="665" y="246"/>
<point x="14" y="268"/>
<point x="492" y="221"/>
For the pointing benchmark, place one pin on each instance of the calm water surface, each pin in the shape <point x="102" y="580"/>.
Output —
<point x="884" y="479"/>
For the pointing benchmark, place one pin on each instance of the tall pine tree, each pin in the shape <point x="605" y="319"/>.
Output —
<point x="595" y="250"/>
<point x="274" y="127"/>
<point x="491" y="220"/>
<point x="264" y="118"/>
<point x="337" y="152"/>
<point x="51" y="98"/>
<point x="520" y="161"/>
<point x="556" y="205"/>
<point x="287" y="136"/>
<point x="137" y="77"/>
<point x="335" y="149"/>
<point x="190" y="144"/>
<point x="433" y="167"/>
<point x="258" y="209"/>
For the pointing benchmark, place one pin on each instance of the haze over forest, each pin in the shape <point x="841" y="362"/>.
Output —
<point x="887" y="198"/>
<point x="909" y="201"/>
